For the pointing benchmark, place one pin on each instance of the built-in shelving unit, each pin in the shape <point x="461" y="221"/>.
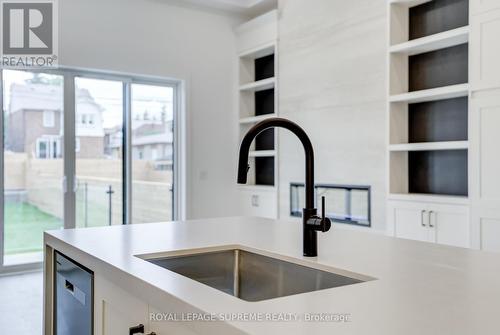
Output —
<point x="428" y="99"/>
<point x="257" y="101"/>
<point x="257" y="95"/>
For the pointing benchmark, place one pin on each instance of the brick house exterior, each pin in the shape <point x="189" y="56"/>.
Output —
<point x="34" y="122"/>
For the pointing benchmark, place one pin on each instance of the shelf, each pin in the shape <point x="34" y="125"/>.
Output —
<point x="262" y="153"/>
<point x="434" y="42"/>
<point x="260" y="85"/>
<point x="441" y="93"/>
<point x="261" y="51"/>
<point x="430" y="146"/>
<point x="257" y="188"/>
<point x="444" y="199"/>
<point x="408" y="3"/>
<point x="256" y="119"/>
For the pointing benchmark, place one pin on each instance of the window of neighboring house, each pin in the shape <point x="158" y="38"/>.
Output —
<point x="91" y="119"/>
<point x="42" y="150"/>
<point x="48" y="148"/>
<point x="84" y="118"/>
<point x="49" y="119"/>
<point x="141" y="154"/>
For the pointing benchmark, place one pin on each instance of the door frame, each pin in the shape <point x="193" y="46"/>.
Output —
<point x="69" y="156"/>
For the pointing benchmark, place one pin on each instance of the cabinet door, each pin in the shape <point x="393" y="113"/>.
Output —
<point x="450" y="225"/>
<point x="485" y="153"/>
<point x="481" y="6"/>
<point x="161" y="327"/>
<point x="410" y="220"/>
<point x="485" y="51"/>
<point x="484" y="166"/>
<point x="116" y="311"/>
<point x="490" y="233"/>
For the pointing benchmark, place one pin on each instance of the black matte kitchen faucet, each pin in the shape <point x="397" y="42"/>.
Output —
<point x="311" y="222"/>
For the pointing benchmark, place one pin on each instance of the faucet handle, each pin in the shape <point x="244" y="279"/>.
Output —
<point x="323" y="211"/>
<point x="326" y="223"/>
<point x="322" y="223"/>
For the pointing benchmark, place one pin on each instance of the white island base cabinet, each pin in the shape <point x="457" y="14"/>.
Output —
<point x="117" y="311"/>
<point x="430" y="222"/>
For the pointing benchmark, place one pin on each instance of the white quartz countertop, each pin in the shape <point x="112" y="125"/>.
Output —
<point x="420" y="288"/>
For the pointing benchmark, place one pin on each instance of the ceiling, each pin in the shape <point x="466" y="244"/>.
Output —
<point x="246" y="7"/>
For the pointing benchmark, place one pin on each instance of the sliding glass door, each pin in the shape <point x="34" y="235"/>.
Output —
<point x="99" y="152"/>
<point x="33" y="120"/>
<point x="152" y="153"/>
<point x="82" y="149"/>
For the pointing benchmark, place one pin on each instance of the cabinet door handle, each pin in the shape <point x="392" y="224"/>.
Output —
<point x="422" y="222"/>
<point x="430" y="219"/>
<point x="139" y="329"/>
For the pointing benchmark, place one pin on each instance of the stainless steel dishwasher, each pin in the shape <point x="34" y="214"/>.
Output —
<point x="74" y="301"/>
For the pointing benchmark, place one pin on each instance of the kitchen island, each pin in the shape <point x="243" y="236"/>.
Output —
<point x="402" y="286"/>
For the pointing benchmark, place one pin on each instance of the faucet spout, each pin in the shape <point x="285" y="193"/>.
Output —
<point x="311" y="222"/>
<point x="294" y="128"/>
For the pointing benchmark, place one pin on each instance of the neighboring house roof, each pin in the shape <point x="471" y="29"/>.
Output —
<point x="44" y="97"/>
<point x="35" y="97"/>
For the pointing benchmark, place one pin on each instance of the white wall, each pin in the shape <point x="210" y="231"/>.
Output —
<point x="332" y="82"/>
<point x="157" y="37"/>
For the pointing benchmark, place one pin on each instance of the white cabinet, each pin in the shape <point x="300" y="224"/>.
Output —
<point x="481" y="6"/>
<point x="430" y="222"/>
<point x="485" y="164"/>
<point x="485" y="50"/>
<point x="485" y="153"/>
<point x="409" y="220"/>
<point x="489" y="233"/>
<point x="449" y="225"/>
<point x="165" y="327"/>
<point x="115" y="310"/>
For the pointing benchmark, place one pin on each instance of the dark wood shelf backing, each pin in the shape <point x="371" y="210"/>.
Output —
<point x="439" y="68"/>
<point x="438" y="121"/>
<point x="264" y="102"/>
<point x="264" y="67"/>
<point x="437" y="16"/>
<point x="265" y="140"/>
<point x="438" y="172"/>
<point x="264" y="171"/>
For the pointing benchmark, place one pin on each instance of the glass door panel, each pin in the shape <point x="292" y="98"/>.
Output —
<point x="99" y="152"/>
<point x="33" y="162"/>
<point x="152" y="153"/>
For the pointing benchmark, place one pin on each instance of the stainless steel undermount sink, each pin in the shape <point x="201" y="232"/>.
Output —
<point x="251" y="276"/>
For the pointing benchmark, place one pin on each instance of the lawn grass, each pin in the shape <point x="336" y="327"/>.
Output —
<point x="25" y="224"/>
<point x="24" y="227"/>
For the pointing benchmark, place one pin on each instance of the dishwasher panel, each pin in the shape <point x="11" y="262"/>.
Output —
<point x="73" y="297"/>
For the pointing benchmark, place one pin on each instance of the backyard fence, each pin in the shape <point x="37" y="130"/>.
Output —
<point x="99" y="189"/>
